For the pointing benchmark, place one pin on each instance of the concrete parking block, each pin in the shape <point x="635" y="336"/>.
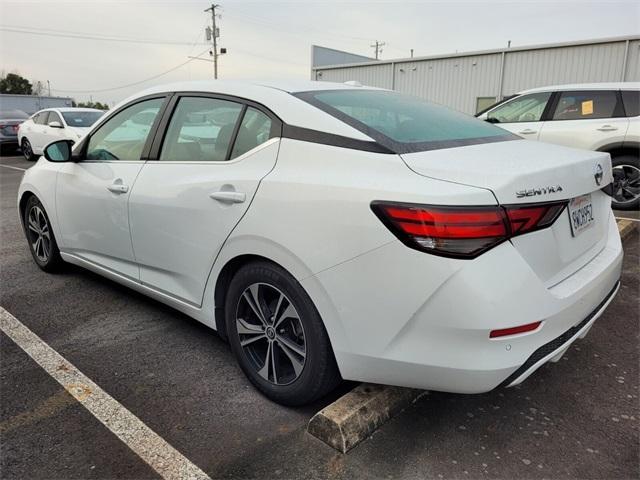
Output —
<point x="626" y="228"/>
<point x="356" y="415"/>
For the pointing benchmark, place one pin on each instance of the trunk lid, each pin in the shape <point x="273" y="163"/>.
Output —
<point x="524" y="172"/>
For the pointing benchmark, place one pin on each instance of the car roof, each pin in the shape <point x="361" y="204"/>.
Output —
<point x="585" y="86"/>
<point x="69" y="109"/>
<point x="275" y="95"/>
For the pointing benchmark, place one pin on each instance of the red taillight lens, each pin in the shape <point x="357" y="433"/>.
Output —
<point x="462" y="232"/>
<point x="530" y="327"/>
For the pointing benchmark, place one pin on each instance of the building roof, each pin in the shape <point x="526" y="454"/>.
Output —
<point x="483" y="52"/>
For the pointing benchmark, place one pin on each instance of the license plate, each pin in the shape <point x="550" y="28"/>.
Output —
<point x="581" y="214"/>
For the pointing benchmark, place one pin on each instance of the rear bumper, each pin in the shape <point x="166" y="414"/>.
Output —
<point x="412" y="319"/>
<point x="554" y="350"/>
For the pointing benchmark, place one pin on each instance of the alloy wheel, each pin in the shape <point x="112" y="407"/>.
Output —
<point x="271" y="333"/>
<point x="26" y="150"/>
<point x="626" y="183"/>
<point x="39" y="233"/>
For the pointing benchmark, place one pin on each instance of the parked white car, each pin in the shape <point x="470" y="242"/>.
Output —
<point x="333" y="231"/>
<point x="599" y="116"/>
<point x="53" y="124"/>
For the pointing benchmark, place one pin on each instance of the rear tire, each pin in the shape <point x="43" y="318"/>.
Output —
<point x="42" y="242"/>
<point x="626" y="182"/>
<point x="27" y="150"/>
<point x="277" y="335"/>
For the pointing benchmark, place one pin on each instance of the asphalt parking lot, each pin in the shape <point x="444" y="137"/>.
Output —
<point x="577" y="418"/>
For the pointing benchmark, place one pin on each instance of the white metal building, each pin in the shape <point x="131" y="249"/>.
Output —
<point x="471" y="81"/>
<point x="32" y="103"/>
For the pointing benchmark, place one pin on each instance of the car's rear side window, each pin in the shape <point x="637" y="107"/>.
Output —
<point x="587" y="104"/>
<point x="404" y="123"/>
<point x="631" y="100"/>
<point x="201" y="130"/>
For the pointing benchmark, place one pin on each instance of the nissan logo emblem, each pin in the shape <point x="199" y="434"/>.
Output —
<point x="598" y="174"/>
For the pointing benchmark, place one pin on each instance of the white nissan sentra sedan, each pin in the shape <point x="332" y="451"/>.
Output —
<point x="335" y="231"/>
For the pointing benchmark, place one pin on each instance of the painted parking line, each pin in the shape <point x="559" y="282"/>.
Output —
<point x="629" y="219"/>
<point x="149" y="446"/>
<point x="13" y="168"/>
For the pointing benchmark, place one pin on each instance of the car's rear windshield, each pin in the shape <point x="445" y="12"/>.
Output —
<point x="13" y="115"/>
<point x="404" y="123"/>
<point x="81" y="119"/>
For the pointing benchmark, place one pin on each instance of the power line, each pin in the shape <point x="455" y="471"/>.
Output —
<point x="78" y="35"/>
<point x="133" y="84"/>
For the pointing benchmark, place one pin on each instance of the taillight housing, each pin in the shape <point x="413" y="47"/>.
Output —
<point x="463" y="232"/>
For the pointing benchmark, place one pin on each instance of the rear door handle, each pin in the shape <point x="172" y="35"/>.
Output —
<point x="607" y="128"/>
<point x="118" y="188"/>
<point x="527" y="131"/>
<point x="228" y="197"/>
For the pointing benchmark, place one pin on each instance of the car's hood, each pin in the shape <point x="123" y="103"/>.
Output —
<point x="79" y="132"/>
<point x="518" y="171"/>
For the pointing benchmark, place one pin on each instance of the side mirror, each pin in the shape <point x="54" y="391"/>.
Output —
<point x="59" y="151"/>
<point x="55" y="124"/>
<point x="491" y="120"/>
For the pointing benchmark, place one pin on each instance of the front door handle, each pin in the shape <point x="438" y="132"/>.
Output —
<point x="118" y="188"/>
<point x="228" y="197"/>
<point x="607" y="128"/>
<point x="527" y="131"/>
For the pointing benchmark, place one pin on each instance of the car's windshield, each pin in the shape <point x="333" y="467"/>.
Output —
<point x="404" y="123"/>
<point x="81" y="119"/>
<point x="13" y="115"/>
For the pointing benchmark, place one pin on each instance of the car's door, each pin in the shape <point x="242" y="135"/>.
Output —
<point x="586" y="119"/>
<point x="522" y="115"/>
<point x="209" y="163"/>
<point x="36" y="135"/>
<point x="52" y="133"/>
<point x="92" y="194"/>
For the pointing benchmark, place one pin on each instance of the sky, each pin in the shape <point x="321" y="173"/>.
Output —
<point x="107" y="50"/>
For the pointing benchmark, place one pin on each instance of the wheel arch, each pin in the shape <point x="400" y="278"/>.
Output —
<point x="223" y="281"/>
<point x="243" y="249"/>
<point x="619" y="149"/>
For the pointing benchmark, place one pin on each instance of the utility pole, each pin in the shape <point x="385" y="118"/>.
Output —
<point x="49" y="87"/>
<point x="214" y="37"/>
<point x="378" y="46"/>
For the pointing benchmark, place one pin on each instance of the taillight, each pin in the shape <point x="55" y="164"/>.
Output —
<point x="463" y="232"/>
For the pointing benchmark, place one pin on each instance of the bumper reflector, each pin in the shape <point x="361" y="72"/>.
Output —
<point x="529" y="327"/>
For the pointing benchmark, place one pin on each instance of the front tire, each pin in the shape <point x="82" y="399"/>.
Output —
<point x="27" y="150"/>
<point x="626" y="182"/>
<point x="42" y="242"/>
<point x="277" y="335"/>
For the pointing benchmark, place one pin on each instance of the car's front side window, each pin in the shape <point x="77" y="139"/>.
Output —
<point x="123" y="136"/>
<point x="201" y="129"/>
<point x="54" y="117"/>
<point x="586" y="105"/>
<point x="527" y="108"/>
<point x="41" y="118"/>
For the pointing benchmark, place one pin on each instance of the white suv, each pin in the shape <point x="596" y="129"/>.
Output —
<point x="598" y="116"/>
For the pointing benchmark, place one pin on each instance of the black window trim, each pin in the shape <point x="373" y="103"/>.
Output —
<point x="81" y="155"/>
<point x="618" y="109"/>
<point x="163" y="126"/>
<point x="387" y="143"/>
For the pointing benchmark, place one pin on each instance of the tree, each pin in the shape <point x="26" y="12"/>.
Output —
<point x="16" y="84"/>
<point x="98" y="105"/>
